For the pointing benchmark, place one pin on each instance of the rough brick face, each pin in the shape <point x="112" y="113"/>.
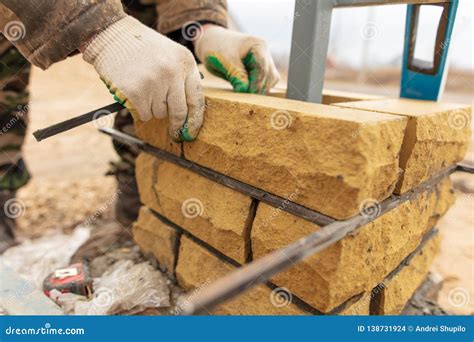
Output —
<point x="356" y="263"/>
<point x="359" y="307"/>
<point x="326" y="158"/>
<point x="210" y="211"/>
<point x="334" y="157"/>
<point x="437" y="135"/>
<point x="155" y="237"/>
<point x="197" y="266"/>
<point x="155" y="132"/>
<point x="399" y="288"/>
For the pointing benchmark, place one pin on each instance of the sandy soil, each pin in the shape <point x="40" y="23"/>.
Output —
<point x="69" y="184"/>
<point x="455" y="261"/>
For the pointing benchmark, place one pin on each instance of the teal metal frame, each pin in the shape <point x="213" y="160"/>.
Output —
<point x="310" y="42"/>
<point x="419" y="79"/>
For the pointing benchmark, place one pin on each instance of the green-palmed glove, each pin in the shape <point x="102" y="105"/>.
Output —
<point x="242" y="59"/>
<point x="150" y="74"/>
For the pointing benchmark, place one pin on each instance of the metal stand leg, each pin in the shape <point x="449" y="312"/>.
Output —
<point x="310" y="44"/>
<point x="309" y="49"/>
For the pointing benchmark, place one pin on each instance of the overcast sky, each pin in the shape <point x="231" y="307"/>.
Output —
<point x="272" y="20"/>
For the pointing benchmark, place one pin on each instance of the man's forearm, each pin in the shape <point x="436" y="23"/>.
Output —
<point x="173" y="15"/>
<point x="51" y="30"/>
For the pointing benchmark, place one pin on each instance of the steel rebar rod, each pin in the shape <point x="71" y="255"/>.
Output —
<point x="66" y="125"/>
<point x="261" y="270"/>
<point x="276" y="201"/>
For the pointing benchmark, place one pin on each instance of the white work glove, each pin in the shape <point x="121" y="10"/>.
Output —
<point x="241" y="59"/>
<point x="150" y="75"/>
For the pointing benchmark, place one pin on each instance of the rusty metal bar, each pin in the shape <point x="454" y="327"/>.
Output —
<point x="264" y="268"/>
<point x="66" y="125"/>
<point x="261" y="270"/>
<point x="249" y="190"/>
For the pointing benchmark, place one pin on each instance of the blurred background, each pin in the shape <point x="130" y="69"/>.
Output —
<point x="69" y="186"/>
<point x="366" y="43"/>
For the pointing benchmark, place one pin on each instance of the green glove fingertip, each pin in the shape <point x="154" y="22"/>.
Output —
<point x="250" y="58"/>
<point x="185" y="135"/>
<point x="239" y="86"/>
<point x="116" y="98"/>
<point x="216" y="67"/>
<point x="253" y="69"/>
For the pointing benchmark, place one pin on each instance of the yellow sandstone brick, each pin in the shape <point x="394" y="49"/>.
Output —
<point x="155" y="132"/>
<point x="334" y="157"/>
<point x="353" y="265"/>
<point x="437" y="135"/>
<point x="155" y="237"/>
<point x="444" y="200"/>
<point x="400" y="287"/>
<point x="331" y="96"/>
<point x="282" y="145"/>
<point x="145" y="170"/>
<point x="335" y="96"/>
<point x="197" y="266"/>
<point x="208" y="210"/>
<point x="360" y="307"/>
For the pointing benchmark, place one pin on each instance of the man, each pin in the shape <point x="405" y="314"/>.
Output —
<point x="151" y="74"/>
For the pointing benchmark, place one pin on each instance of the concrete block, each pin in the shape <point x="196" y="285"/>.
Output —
<point x="437" y="135"/>
<point x="208" y="210"/>
<point x="155" y="237"/>
<point x="198" y="267"/>
<point x="353" y="265"/>
<point x="333" y="157"/>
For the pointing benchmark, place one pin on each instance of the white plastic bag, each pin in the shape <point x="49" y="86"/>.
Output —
<point x="126" y="288"/>
<point x="35" y="259"/>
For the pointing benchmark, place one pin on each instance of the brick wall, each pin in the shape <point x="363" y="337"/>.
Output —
<point x="338" y="160"/>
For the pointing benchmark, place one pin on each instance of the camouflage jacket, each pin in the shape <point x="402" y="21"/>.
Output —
<point x="47" y="31"/>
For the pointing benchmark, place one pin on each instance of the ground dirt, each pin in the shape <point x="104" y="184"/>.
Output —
<point x="69" y="186"/>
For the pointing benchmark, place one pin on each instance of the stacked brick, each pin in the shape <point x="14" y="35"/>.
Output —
<point x="335" y="159"/>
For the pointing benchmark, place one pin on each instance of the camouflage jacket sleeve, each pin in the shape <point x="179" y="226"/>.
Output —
<point x="48" y="31"/>
<point x="174" y="14"/>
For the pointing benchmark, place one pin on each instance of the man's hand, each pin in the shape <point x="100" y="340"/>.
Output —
<point x="150" y="75"/>
<point x="243" y="60"/>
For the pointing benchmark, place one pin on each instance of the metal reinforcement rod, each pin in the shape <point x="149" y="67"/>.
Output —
<point x="259" y="194"/>
<point x="66" y="125"/>
<point x="79" y="120"/>
<point x="465" y="168"/>
<point x="261" y="270"/>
